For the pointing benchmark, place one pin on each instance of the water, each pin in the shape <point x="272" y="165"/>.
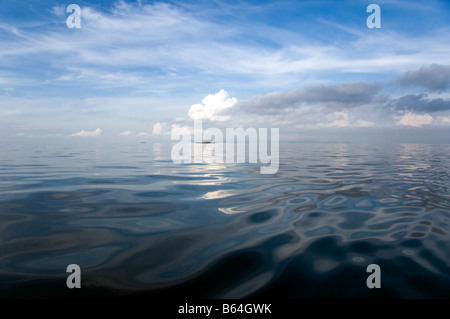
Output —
<point x="139" y="225"/>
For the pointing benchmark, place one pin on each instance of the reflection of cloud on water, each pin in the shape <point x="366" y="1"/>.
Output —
<point x="157" y="154"/>
<point x="220" y="194"/>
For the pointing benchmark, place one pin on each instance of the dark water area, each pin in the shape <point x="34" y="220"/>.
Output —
<point x="140" y="225"/>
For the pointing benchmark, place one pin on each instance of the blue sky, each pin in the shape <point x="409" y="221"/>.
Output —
<point x="137" y="69"/>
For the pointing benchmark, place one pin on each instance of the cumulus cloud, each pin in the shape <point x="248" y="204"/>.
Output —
<point x="434" y="77"/>
<point x="164" y="128"/>
<point x="126" y="133"/>
<point x="177" y="128"/>
<point x="212" y="106"/>
<point x="97" y="132"/>
<point x="413" y="119"/>
<point x="348" y="105"/>
<point x="157" y="129"/>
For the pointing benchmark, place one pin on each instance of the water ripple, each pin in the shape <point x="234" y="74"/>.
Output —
<point x="138" y="224"/>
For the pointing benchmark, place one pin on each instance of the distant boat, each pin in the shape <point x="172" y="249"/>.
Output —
<point x="205" y="142"/>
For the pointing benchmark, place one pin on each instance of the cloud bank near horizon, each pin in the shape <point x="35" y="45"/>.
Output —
<point x="349" y="105"/>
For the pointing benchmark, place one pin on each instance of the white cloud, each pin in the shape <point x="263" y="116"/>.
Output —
<point x="126" y="133"/>
<point x="97" y="132"/>
<point x="164" y="128"/>
<point x="159" y="50"/>
<point x="59" y="10"/>
<point x="443" y="120"/>
<point x="171" y="38"/>
<point x="143" y="134"/>
<point x="342" y="119"/>
<point x="173" y="34"/>
<point x="211" y="107"/>
<point x="413" y="119"/>
<point x="22" y="134"/>
<point x="178" y="128"/>
<point x="157" y="129"/>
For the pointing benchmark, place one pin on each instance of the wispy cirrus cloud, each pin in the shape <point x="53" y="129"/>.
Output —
<point x="170" y="41"/>
<point x="134" y="64"/>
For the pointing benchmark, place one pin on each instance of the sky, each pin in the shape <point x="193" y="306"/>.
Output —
<point x="313" y="69"/>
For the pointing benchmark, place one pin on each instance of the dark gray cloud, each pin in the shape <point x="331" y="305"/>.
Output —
<point x="350" y="105"/>
<point x="420" y="103"/>
<point x="434" y="77"/>
<point x="332" y="96"/>
<point x="349" y="93"/>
